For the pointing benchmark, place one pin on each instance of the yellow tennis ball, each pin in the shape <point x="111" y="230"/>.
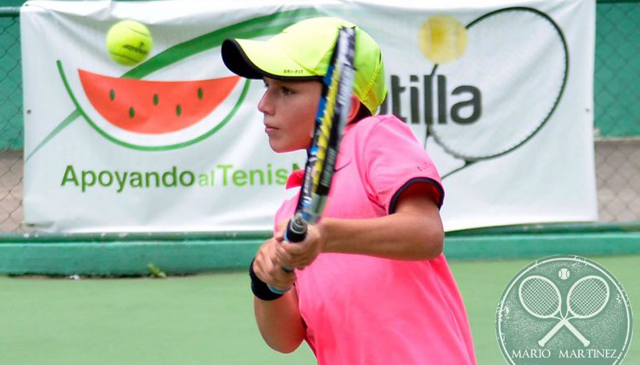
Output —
<point x="129" y="42"/>
<point x="443" y="39"/>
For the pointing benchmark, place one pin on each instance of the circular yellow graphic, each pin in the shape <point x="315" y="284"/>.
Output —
<point x="443" y="39"/>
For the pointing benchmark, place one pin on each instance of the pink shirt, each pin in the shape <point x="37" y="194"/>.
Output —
<point x="366" y="310"/>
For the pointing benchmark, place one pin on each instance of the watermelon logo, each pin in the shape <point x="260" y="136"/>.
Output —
<point x="154" y="115"/>
<point x="150" y="115"/>
<point x="154" y="107"/>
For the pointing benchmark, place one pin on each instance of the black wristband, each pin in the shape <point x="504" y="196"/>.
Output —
<point x="260" y="288"/>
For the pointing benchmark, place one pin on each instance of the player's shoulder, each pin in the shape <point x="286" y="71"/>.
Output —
<point x="379" y="123"/>
<point x="382" y="126"/>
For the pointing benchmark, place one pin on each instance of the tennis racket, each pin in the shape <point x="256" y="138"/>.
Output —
<point x="331" y="119"/>
<point x="541" y="298"/>
<point x="518" y="41"/>
<point x="586" y="298"/>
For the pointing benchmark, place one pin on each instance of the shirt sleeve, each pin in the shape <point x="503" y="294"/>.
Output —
<point x="394" y="160"/>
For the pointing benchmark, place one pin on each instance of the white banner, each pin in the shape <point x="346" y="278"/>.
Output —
<point x="500" y="93"/>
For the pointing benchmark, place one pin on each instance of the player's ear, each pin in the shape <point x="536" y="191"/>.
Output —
<point x="355" y="108"/>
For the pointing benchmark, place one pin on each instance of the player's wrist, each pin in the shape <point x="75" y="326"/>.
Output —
<point x="259" y="288"/>
<point x="324" y="233"/>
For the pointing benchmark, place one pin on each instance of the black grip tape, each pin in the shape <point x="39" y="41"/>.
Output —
<point x="296" y="231"/>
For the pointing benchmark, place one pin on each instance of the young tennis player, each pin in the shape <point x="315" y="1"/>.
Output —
<point x="370" y="285"/>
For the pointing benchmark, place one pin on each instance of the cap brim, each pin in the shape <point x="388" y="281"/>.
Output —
<point x="257" y="59"/>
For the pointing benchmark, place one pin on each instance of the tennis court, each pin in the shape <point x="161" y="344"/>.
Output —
<point x="205" y="319"/>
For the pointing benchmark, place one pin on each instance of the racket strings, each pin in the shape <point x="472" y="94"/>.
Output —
<point x="588" y="298"/>
<point x="539" y="297"/>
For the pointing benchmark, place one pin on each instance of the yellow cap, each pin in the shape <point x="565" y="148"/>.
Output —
<point x="303" y="52"/>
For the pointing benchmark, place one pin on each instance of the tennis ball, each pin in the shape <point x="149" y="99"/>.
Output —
<point x="129" y="42"/>
<point x="443" y="39"/>
<point x="564" y="273"/>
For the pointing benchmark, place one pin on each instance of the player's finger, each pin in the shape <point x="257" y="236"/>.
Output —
<point x="284" y="257"/>
<point x="281" y="227"/>
<point x="266" y="261"/>
<point x="279" y="236"/>
<point x="275" y="276"/>
<point x="296" y="257"/>
<point x="293" y="249"/>
<point x="261" y="268"/>
<point x="282" y="279"/>
<point x="261" y="257"/>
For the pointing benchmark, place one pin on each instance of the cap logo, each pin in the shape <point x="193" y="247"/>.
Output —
<point x="295" y="72"/>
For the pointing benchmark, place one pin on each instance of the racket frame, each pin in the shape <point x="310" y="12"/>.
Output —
<point x="470" y="160"/>
<point x="564" y="322"/>
<point x="331" y="120"/>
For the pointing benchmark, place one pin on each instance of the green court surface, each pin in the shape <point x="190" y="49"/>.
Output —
<point x="205" y="319"/>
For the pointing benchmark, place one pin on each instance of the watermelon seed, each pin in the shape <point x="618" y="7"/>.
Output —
<point x="178" y="110"/>
<point x="132" y="112"/>
<point x="200" y="93"/>
<point x="155" y="99"/>
<point x="112" y="94"/>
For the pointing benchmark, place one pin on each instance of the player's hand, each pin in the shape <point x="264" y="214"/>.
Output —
<point x="300" y="254"/>
<point x="268" y="268"/>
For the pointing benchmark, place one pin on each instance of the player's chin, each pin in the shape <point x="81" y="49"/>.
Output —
<point x="279" y="148"/>
<point x="283" y="146"/>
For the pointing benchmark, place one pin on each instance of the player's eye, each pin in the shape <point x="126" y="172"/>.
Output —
<point x="286" y="91"/>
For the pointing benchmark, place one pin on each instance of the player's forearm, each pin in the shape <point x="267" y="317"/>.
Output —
<point x="280" y="323"/>
<point x="397" y="236"/>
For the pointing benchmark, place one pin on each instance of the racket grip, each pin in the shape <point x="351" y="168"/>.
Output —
<point x="296" y="232"/>
<point x="561" y="323"/>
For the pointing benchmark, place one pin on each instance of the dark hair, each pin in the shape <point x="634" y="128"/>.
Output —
<point x="364" y="112"/>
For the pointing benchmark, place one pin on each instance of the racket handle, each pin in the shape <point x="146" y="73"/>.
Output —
<point x="296" y="232"/>
<point x="550" y="334"/>
<point x="564" y="323"/>
<point x="578" y="335"/>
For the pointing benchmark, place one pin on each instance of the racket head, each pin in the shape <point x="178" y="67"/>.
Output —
<point x="331" y="119"/>
<point x="540" y="297"/>
<point x="587" y="297"/>
<point x="503" y="127"/>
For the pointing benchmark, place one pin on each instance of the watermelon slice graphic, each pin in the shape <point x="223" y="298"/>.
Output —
<point x="164" y="116"/>
<point x="154" y="107"/>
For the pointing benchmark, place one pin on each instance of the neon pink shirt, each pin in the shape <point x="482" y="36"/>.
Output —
<point x="366" y="310"/>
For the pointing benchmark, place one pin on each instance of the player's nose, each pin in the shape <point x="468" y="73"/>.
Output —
<point x="265" y="105"/>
